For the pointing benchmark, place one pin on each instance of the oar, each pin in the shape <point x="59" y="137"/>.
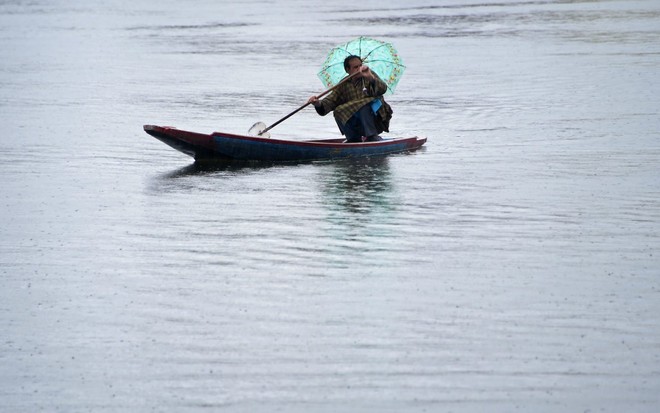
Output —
<point x="259" y="128"/>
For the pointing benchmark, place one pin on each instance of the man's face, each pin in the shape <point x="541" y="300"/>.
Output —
<point x="354" y="65"/>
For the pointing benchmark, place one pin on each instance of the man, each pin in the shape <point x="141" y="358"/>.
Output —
<point x="359" y="108"/>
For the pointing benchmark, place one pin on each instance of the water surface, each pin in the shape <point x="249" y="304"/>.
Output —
<point x="512" y="264"/>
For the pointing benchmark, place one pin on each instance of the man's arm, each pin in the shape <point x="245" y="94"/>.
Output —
<point x="327" y="105"/>
<point x="377" y="86"/>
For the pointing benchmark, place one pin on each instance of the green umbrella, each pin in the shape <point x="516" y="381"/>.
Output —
<point x="381" y="57"/>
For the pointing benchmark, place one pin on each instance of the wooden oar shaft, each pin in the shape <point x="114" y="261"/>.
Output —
<point x="285" y="118"/>
<point x="307" y="104"/>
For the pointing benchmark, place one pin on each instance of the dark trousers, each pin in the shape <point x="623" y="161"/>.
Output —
<point x="362" y="123"/>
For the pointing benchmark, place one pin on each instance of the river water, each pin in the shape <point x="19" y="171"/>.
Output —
<point x="512" y="264"/>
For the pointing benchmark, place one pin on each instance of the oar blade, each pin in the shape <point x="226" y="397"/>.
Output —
<point x="258" y="130"/>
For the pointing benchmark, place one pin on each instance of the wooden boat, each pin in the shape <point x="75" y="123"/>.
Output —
<point x="225" y="146"/>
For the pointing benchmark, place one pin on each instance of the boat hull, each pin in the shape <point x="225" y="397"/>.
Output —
<point x="224" y="146"/>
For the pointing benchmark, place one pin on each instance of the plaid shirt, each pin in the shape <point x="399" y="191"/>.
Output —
<point x="349" y="97"/>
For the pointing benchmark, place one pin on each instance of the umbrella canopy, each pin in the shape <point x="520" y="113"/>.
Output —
<point x="381" y="57"/>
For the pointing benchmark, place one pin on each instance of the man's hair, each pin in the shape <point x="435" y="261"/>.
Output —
<point x="348" y="59"/>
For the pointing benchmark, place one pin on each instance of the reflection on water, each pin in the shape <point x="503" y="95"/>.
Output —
<point x="358" y="186"/>
<point x="201" y="168"/>
<point x="359" y="203"/>
<point x="214" y="175"/>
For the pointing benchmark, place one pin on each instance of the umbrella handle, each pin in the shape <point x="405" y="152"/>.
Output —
<point x="306" y="104"/>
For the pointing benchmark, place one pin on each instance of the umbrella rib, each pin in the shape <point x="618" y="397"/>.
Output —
<point x="344" y="50"/>
<point x="388" y="61"/>
<point x="373" y="50"/>
<point x="332" y="65"/>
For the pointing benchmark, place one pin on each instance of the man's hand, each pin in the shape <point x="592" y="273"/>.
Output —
<point x="314" y="100"/>
<point x="365" y="72"/>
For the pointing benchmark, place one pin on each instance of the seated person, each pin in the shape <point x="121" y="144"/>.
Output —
<point x="358" y="105"/>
